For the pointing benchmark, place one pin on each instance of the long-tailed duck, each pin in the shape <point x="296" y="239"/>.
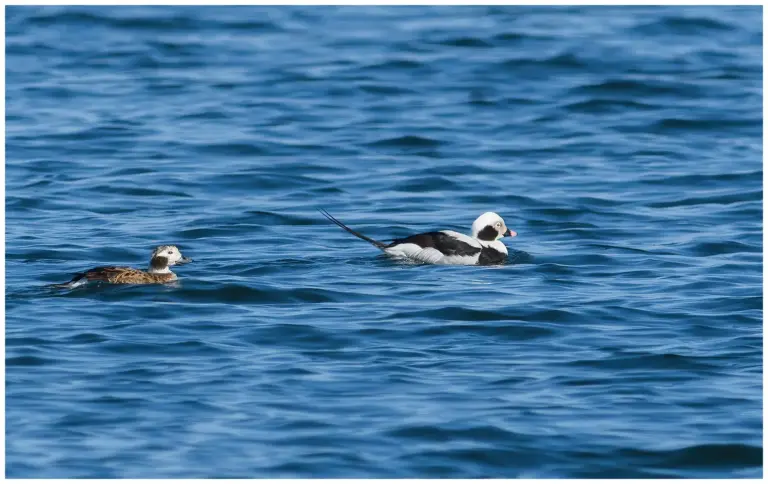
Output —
<point x="163" y="257"/>
<point x="447" y="246"/>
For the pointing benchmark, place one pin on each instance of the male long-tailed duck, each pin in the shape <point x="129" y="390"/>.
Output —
<point x="159" y="272"/>
<point x="447" y="246"/>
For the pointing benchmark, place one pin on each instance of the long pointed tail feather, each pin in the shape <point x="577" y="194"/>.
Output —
<point x="333" y="219"/>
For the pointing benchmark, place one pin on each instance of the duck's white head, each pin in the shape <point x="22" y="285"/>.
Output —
<point x="489" y="227"/>
<point x="164" y="256"/>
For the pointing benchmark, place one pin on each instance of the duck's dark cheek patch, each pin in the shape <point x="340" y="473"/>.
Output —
<point x="159" y="262"/>
<point x="488" y="233"/>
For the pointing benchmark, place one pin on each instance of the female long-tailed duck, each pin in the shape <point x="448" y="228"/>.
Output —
<point x="163" y="257"/>
<point x="447" y="246"/>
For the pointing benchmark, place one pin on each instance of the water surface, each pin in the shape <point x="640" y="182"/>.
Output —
<point x="623" y="339"/>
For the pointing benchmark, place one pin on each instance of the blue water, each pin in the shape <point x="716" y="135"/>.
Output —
<point x="623" y="339"/>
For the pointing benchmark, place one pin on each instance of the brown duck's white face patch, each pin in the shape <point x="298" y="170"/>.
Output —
<point x="166" y="255"/>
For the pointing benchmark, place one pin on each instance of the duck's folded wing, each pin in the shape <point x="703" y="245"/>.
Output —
<point x="457" y="240"/>
<point x="435" y="247"/>
<point x="111" y="274"/>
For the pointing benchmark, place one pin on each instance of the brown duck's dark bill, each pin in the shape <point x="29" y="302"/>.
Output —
<point x="184" y="260"/>
<point x="510" y="233"/>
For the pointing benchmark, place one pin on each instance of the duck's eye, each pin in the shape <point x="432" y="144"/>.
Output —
<point x="498" y="224"/>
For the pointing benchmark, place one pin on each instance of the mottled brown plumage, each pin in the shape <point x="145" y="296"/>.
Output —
<point x="127" y="275"/>
<point x="159" y="273"/>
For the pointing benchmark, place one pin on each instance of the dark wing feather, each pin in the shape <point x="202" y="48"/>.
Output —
<point x="438" y="240"/>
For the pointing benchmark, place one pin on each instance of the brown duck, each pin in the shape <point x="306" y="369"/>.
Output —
<point x="158" y="273"/>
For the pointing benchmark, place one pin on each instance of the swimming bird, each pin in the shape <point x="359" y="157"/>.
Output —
<point x="447" y="246"/>
<point x="162" y="258"/>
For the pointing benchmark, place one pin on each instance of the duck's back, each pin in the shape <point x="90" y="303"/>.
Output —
<point x="126" y="275"/>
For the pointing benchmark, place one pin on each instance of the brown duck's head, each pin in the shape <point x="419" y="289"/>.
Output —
<point x="167" y="255"/>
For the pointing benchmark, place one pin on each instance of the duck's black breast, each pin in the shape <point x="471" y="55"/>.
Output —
<point x="440" y="241"/>
<point x="489" y="255"/>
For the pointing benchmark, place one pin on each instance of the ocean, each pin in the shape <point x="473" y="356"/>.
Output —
<point x="622" y="339"/>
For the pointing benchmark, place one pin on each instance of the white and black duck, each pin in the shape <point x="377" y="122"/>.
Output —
<point x="483" y="247"/>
